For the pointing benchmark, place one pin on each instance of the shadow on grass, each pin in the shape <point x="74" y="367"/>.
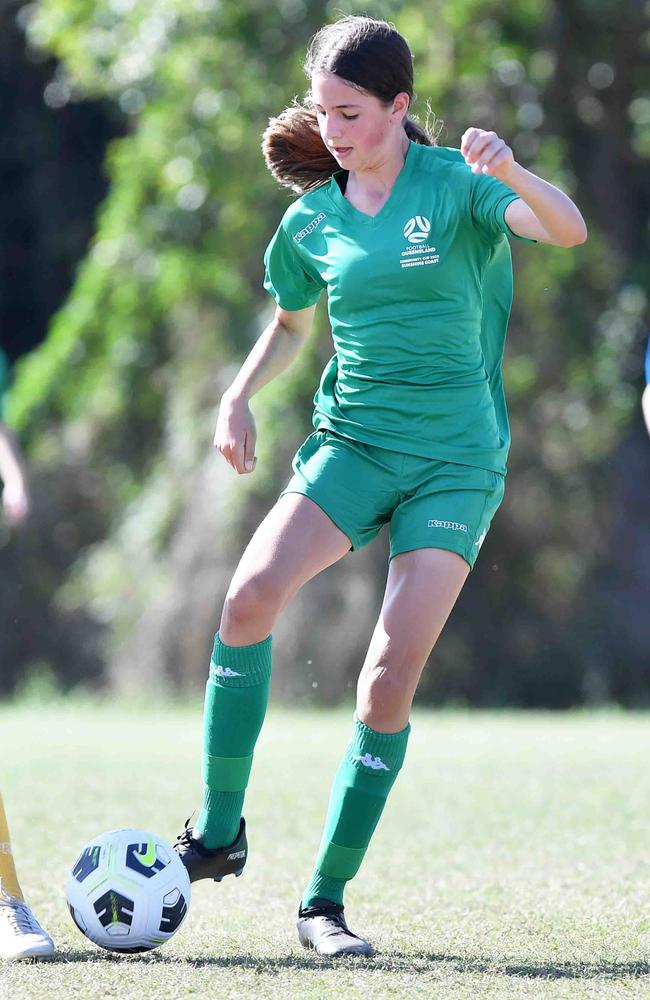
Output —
<point x="412" y="962"/>
<point x="550" y="970"/>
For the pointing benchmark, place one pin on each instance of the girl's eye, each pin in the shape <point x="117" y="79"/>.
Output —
<point x="348" y="118"/>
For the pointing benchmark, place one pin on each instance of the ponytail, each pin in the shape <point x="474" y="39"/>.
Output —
<point x="297" y="156"/>
<point x="294" y="151"/>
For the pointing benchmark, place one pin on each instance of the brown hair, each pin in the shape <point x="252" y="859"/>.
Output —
<point x="372" y="56"/>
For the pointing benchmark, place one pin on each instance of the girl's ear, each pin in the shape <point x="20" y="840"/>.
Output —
<point x="401" y="103"/>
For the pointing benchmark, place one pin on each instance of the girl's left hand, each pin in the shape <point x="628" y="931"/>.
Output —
<point x="487" y="154"/>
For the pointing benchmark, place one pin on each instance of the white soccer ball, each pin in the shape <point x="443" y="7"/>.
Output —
<point x="128" y="891"/>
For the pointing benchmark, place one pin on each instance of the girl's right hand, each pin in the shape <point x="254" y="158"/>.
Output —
<point x="235" y="435"/>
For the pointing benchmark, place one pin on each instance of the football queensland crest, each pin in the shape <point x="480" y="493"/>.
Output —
<point x="417" y="229"/>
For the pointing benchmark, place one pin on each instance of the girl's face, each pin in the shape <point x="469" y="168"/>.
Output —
<point x="358" y="129"/>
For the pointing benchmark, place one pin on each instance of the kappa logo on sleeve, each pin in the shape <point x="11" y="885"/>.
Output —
<point x="314" y="224"/>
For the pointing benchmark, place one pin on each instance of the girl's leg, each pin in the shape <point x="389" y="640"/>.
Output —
<point x="21" y="935"/>
<point x="421" y="590"/>
<point x="294" y="542"/>
<point x="8" y="878"/>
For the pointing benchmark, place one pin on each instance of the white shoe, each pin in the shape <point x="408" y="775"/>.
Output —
<point x="21" y="935"/>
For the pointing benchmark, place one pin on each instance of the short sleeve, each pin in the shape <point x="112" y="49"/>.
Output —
<point x="286" y="276"/>
<point x="489" y="199"/>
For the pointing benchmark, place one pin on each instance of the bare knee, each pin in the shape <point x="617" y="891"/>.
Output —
<point x="381" y="684"/>
<point x="249" y="611"/>
<point x="386" y="688"/>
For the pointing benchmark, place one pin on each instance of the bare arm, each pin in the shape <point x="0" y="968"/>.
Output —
<point x="15" y="495"/>
<point x="543" y="212"/>
<point x="274" y="351"/>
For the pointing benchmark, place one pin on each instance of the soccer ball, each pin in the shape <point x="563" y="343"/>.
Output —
<point x="128" y="891"/>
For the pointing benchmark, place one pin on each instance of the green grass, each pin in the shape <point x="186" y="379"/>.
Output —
<point x="513" y="859"/>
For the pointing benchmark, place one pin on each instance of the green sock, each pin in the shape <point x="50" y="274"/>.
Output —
<point x="236" y="697"/>
<point x="363" y="781"/>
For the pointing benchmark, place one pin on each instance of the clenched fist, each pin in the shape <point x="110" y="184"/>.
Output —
<point x="486" y="153"/>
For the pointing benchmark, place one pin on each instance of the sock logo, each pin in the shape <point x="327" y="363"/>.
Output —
<point x="376" y="763"/>
<point x="225" y="671"/>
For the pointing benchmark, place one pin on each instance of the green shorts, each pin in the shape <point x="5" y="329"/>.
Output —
<point x="428" y="504"/>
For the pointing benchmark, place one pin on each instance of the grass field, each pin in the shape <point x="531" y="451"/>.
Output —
<point x="513" y="859"/>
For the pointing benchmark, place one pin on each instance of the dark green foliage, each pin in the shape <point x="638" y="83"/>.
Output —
<point x="119" y="403"/>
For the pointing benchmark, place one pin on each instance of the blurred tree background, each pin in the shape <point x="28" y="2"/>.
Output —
<point x="135" y="211"/>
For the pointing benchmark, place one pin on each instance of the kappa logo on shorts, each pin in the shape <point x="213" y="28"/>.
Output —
<point x="449" y="525"/>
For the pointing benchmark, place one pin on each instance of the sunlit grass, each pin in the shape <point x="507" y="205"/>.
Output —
<point x="512" y="860"/>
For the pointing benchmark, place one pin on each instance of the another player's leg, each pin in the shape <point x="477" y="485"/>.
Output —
<point x="21" y="935"/>
<point x="421" y="590"/>
<point x="294" y="542"/>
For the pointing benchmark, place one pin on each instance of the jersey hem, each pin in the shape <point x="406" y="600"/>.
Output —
<point x="436" y="453"/>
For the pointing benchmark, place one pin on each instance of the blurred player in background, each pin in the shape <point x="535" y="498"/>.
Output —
<point x="21" y="935"/>
<point x="15" y="494"/>
<point x="645" y="399"/>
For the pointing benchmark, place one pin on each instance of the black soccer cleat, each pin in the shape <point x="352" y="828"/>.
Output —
<point x="323" y="928"/>
<point x="201" y="862"/>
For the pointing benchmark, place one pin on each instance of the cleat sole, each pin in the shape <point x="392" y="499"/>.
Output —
<point x="220" y="878"/>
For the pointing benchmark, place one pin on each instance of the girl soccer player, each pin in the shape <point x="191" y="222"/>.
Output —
<point x="410" y="242"/>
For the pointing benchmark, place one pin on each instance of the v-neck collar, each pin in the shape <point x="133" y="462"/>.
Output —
<point x="349" y="210"/>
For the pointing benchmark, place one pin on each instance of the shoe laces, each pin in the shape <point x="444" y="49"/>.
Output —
<point x="185" y="839"/>
<point x="20" y="918"/>
<point x="334" y="916"/>
<point x="338" y="920"/>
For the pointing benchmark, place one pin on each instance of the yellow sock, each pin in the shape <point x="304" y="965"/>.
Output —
<point x="8" y="877"/>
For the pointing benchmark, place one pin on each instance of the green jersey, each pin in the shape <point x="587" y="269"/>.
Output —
<point x="419" y="298"/>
